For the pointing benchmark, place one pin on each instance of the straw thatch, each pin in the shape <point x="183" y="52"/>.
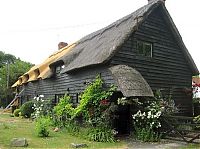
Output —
<point x="100" y="46"/>
<point x="130" y="81"/>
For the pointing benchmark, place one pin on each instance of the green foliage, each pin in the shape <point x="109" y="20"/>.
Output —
<point x="16" y="68"/>
<point x="147" y="134"/>
<point x="57" y="140"/>
<point x="63" y="111"/>
<point x="94" y="100"/>
<point x="166" y="102"/>
<point x="100" y="134"/>
<point x="5" y="126"/>
<point x="4" y="58"/>
<point x="147" y="121"/>
<point x="64" y="107"/>
<point x="27" y="109"/>
<point x="95" y="108"/>
<point x="16" y="112"/>
<point x="42" y="126"/>
<point x="42" y="107"/>
<point x="73" y="128"/>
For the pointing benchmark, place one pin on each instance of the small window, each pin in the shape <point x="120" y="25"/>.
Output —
<point x="144" y="48"/>
<point x="77" y="98"/>
<point x="59" y="68"/>
<point x="57" y="98"/>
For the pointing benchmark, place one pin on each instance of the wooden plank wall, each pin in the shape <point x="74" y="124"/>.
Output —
<point x="67" y="83"/>
<point x="167" y="68"/>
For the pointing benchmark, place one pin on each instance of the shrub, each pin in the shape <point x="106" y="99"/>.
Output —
<point x="147" y="121"/>
<point x="27" y="109"/>
<point x="42" y="126"/>
<point x="101" y="135"/>
<point x="41" y="107"/>
<point x="146" y="134"/>
<point x="16" y="112"/>
<point x="73" y="128"/>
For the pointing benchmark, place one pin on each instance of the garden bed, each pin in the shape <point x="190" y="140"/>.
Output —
<point x="25" y="128"/>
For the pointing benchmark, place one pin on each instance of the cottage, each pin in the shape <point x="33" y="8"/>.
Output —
<point x="139" y="53"/>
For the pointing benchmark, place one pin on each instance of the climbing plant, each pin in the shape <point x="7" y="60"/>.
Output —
<point x="95" y="108"/>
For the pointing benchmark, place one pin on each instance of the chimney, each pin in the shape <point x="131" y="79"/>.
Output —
<point x="150" y="1"/>
<point x="62" y="45"/>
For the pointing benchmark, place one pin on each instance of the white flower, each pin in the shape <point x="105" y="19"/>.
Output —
<point x="134" y="116"/>
<point x="158" y="113"/>
<point x="42" y="96"/>
<point x="159" y="125"/>
<point x="37" y="99"/>
<point x="149" y="115"/>
<point x="114" y="132"/>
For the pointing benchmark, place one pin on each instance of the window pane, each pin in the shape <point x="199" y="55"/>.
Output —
<point x="140" y="48"/>
<point x="144" y="48"/>
<point x="148" y="50"/>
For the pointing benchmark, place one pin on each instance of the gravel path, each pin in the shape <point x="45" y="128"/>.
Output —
<point x="164" y="144"/>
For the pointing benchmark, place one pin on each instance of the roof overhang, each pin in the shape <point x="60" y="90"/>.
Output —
<point x="130" y="81"/>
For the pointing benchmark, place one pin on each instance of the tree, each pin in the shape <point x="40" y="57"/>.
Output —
<point x="16" y="69"/>
<point x="6" y="58"/>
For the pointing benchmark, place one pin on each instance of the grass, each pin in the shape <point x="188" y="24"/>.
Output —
<point x="12" y="127"/>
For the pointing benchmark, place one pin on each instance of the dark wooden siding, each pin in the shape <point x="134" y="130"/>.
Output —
<point x="67" y="83"/>
<point x="167" y="69"/>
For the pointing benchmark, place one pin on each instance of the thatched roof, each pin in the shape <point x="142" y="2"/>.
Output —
<point x="98" y="47"/>
<point x="42" y="71"/>
<point x="130" y="81"/>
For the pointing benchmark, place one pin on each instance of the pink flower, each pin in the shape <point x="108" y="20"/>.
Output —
<point x="104" y="102"/>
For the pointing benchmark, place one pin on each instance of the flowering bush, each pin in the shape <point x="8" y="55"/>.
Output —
<point x="166" y="103"/>
<point x="196" y="92"/>
<point x="41" y="107"/>
<point x="95" y="110"/>
<point x="147" y="120"/>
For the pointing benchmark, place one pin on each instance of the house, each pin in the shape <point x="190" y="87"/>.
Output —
<point x="139" y="53"/>
<point x="196" y="86"/>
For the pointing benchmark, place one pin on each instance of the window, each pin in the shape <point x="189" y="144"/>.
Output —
<point x="144" y="48"/>
<point x="59" y="68"/>
<point x="57" y="98"/>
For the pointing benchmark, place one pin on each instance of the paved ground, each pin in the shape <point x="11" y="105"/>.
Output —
<point x="173" y="143"/>
<point x="164" y="144"/>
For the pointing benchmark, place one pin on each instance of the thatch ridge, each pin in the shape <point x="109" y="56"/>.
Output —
<point x="100" y="46"/>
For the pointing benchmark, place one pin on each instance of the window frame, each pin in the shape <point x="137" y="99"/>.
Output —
<point x="143" y="53"/>
<point x="57" y="98"/>
<point x="59" y="68"/>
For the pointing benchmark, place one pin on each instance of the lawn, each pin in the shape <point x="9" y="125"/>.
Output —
<point x="13" y="127"/>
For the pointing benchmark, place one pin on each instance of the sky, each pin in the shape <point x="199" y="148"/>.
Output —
<point x="32" y="29"/>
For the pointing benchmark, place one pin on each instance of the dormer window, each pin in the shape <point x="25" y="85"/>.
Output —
<point x="59" y="68"/>
<point x="144" y="48"/>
